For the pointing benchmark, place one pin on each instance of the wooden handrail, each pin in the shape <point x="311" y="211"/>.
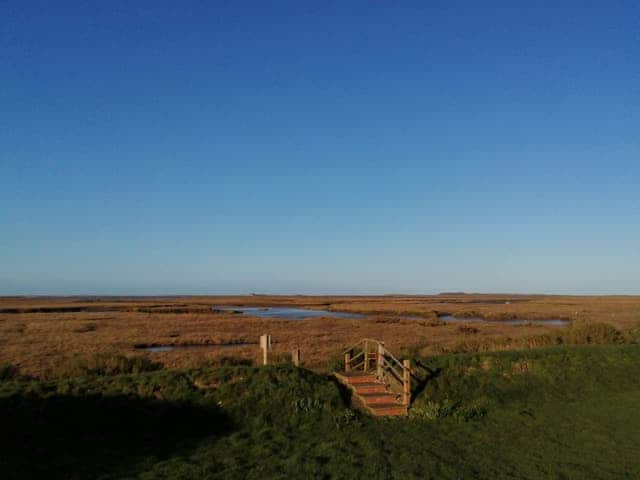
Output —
<point x="352" y="347"/>
<point x="392" y="368"/>
<point x="358" y="355"/>
<point x="395" y="359"/>
<point x="387" y="364"/>
<point x="355" y="367"/>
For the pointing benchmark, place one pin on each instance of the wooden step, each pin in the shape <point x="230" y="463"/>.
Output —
<point x="359" y="379"/>
<point x="355" y="377"/>
<point x="373" y="387"/>
<point x="372" y="395"/>
<point x="379" y="398"/>
<point x="387" y="409"/>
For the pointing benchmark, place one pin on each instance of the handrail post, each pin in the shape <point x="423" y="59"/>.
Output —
<point x="379" y="360"/>
<point x="366" y="355"/>
<point x="347" y="362"/>
<point x="406" y="382"/>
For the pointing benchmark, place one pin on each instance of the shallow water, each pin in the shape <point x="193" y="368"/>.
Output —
<point x="289" y="313"/>
<point x="170" y="348"/>
<point x="292" y="313"/>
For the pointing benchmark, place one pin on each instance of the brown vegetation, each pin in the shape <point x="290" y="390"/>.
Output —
<point x="40" y="334"/>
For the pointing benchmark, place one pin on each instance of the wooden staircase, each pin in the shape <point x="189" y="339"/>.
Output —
<point x="371" y="372"/>
<point x="372" y="394"/>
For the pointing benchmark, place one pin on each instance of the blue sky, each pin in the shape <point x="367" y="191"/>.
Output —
<point x="319" y="147"/>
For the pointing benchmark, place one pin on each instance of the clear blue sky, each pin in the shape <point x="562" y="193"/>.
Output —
<point x="319" y="147"/>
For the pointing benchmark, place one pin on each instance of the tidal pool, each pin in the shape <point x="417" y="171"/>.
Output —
<point x="289" y="313"/>
<point x="170" y="348"/>
<point x="292" y="313"/>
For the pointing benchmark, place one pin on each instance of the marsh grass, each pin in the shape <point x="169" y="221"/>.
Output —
<point x="594" y="333"/>
<point x="40" y="333"/>
<point x="205" y="362"/>
<point x="87" y="327"/>
<point x="102" y="364"/>
<point x="578" y="333"/>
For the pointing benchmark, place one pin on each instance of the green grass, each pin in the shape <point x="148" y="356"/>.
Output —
<point x="562" y="412"/>
<point x="102" y="364"/>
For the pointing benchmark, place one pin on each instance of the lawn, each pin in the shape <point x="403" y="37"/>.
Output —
<point x="563" y="412"/>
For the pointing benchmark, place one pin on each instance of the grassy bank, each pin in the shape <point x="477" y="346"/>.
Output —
<point x="561" y="412"/>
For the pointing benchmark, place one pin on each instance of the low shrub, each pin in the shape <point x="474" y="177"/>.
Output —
<point x="103" y="364"/>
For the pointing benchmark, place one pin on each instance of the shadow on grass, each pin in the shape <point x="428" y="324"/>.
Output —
<point x="345" y="392"/>
<point x="422" y="376"/>
<point x="96" y="436"/>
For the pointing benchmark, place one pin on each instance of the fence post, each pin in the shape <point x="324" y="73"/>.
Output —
<point x="347" y="362"/>
<point x="295" y="357"/>
<point x="406" y="382"/>
<point x="265" y="345"/>
<point x="379" y="360"/>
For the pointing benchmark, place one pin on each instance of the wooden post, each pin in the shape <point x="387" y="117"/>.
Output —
<point x="347" y="362"/>
<point x="265" y="345"/>
<point x="406" y="382"/>
<point x="366" y="355"/>
<point x="295" y="357"/>
<point x="379" y="361"/>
